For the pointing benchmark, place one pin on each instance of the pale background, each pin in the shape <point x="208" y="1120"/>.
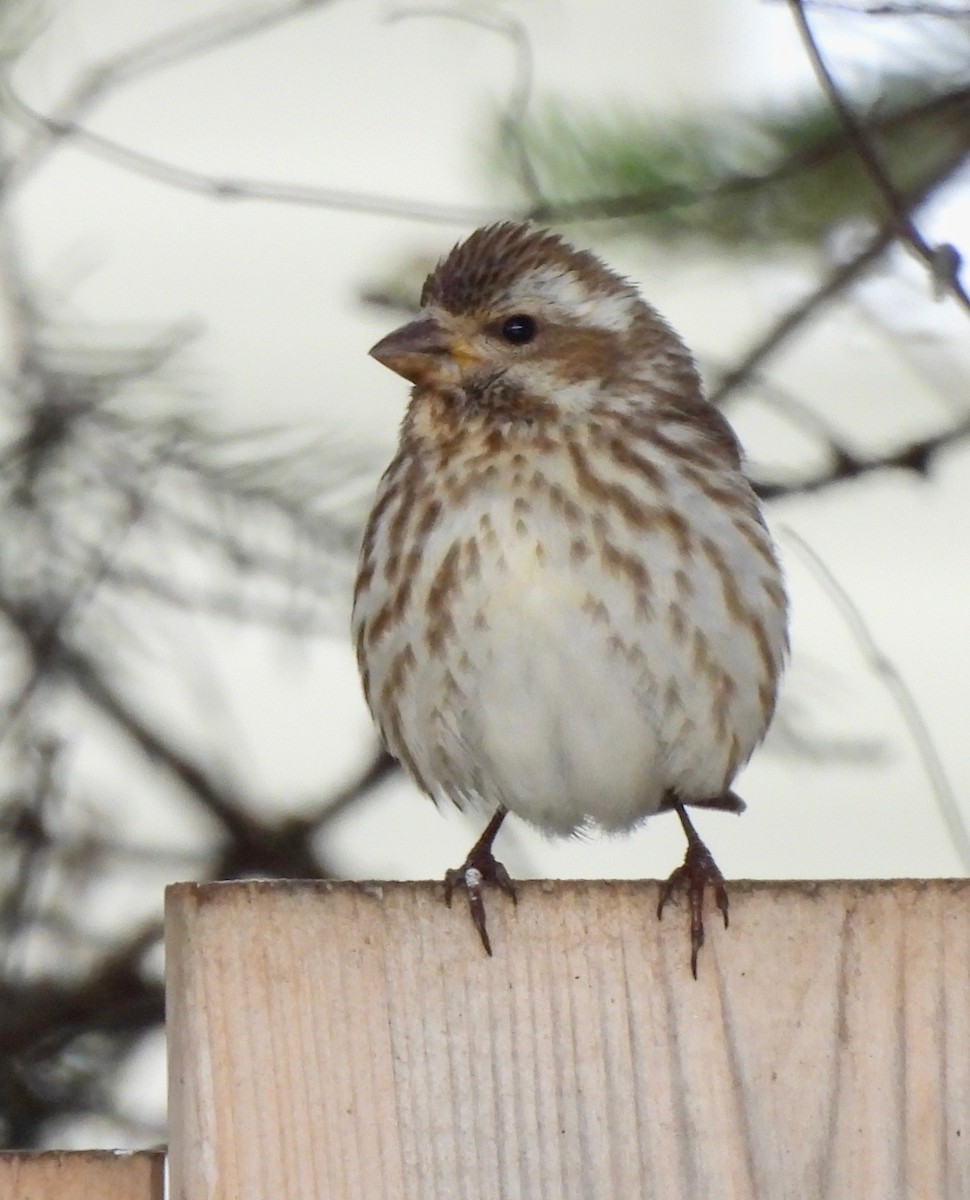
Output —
<point x="342" y="98"/>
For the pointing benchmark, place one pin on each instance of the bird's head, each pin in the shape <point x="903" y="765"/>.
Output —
<point x="515" y="312"/>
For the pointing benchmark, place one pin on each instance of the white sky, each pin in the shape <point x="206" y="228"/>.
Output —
<point x="341" y="98"/>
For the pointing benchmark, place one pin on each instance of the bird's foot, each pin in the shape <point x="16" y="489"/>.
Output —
<point x="481" y="866"/>
<point x="698" y="871"/>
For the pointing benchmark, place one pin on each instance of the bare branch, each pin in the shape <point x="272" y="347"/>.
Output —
<point x="167" y="49"/>
<point x="834" y="284"/>
<point x="942" y="261"/>
<point x="917" y="9"/>
<point x="240" y="188"/>
<point x="898" y="689"/>
<point x="520" y="95"/>
<point x="917" y="457"/>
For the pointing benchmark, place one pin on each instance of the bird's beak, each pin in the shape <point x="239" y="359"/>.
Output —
<point x="422" y="351"/>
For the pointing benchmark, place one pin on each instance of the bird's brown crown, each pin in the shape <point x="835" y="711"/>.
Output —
<point x="486" y="265"/>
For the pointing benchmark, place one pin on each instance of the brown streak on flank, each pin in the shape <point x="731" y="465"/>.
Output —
<point x="521" y="528"/>
<point x="596" y="609"/>
<point x="631" y="653"/>
<point x="701" y="652"/>
<point x="521" y="507"/>
<point x="439" y="630"/>
<point x="719" y="494"/>
<point x="473" y="559"/>
<point x="775" y="592"/>
<point x="380" y="623"/>
<point x="733" y="604"/>
<point x="724" y="692"/>
<point x="625" y="564"/>
<point x="567" y="508"/>
<point x="456" y="490"/>
<point x="760" y="635"/>
<point x="688" y="407"/>
<point x="617" y="562"/>
<point x="697" y="454"/>
<point x="401" y="599"/>
<point x="677" y="620"/>
<point x="672" y="697"/>
<point x="410" y="485"/>
<point x="766" y="698"/>
<point x="683" y="584"/>
<point x="489" y="538"/>
<point x="481" y="621"/>
<point x="365" y="577"/>
<point x="757" y="539"/>
<point x="677" y="527"/>
<point x="734" y="759"/>
<point x="429" y="518"/>
<point x="386" y="497"/>
<point x="636" y="514"/>
<point x="579" y="550"/>
<point x="391" y="566"/>
<point x="643" y="608"/>
<point x="540" y="553"/>
<point x="445" y="583"/>
<point x="622" y="453"/>
<point x="402" y="662"/>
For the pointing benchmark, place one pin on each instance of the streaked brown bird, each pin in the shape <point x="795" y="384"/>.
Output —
<point x="568" y="606"/>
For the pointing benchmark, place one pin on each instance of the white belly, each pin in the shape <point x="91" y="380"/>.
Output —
<point x="563" y="695"/>
<point x="562" y="723"/>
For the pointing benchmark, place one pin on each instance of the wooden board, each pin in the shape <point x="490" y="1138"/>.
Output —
<point x="346" y="1040"/>
<point x="82" y="1175"/>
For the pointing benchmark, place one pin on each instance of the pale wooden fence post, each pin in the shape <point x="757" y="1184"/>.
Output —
<point x="352" y="1042"/>
<point x="82" y="1175"/>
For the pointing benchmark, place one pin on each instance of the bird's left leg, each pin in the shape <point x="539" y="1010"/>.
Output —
<point x="481" y="866"/>
<point x="698" y="871"/>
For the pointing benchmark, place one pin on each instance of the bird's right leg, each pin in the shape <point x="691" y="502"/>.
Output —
<point x="698" y="872"/>
<point x="481" y="866"/>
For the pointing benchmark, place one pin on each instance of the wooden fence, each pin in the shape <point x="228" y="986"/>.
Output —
<point x="352" y="1042"/>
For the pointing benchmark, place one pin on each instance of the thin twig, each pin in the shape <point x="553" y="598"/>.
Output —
<point x="943" y="261"/>
<point x="834" y="284"/>
<point x="916" y="456"/>
<point x="170" y="48"/>
<point x="837" y="280"/>
<point x="898" y="689"/>
<point x="228" y="187"/>
<point x="520" y="95"/>
<point x="917" y="9"/>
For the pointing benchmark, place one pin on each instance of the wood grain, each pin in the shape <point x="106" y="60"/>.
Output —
<point x="81" y="1175"/>
<point x="353" y="1041"/>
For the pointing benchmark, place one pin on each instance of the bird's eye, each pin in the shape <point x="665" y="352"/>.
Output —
<point x="519" y="329"/>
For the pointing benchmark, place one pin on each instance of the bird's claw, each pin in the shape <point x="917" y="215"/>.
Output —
<point x="480" y="867"/>
<point x="698" y="871"/>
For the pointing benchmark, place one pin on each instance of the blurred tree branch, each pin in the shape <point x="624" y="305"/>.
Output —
<point x="104" y="504"/>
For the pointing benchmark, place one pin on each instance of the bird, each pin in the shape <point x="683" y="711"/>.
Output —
<point x="568" y="605"/>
